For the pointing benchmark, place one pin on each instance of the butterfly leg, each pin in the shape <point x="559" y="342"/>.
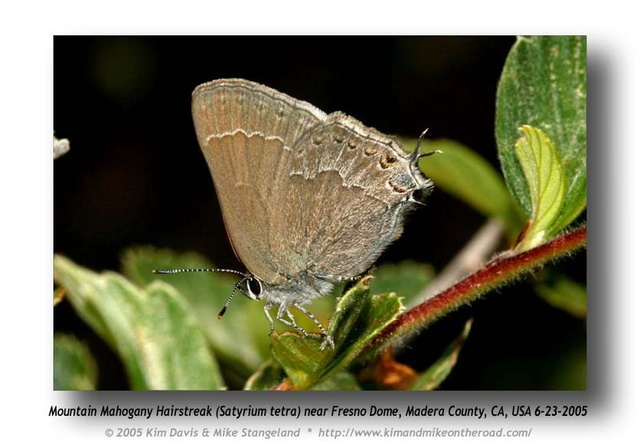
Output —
<point x="268" y="307"/>
<point x="291" y="322"/>
<point x="328" y="341"/>
<point x="281" y="310"/>
<point x="284" y="315"/>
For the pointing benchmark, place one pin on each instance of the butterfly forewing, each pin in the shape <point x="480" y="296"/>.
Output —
<point x="246" y="132"/>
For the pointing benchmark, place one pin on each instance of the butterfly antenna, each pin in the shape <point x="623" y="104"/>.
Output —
<point x="188" y="270"/>
<point x="226" y="305"/>
<point x="183" y="271"/>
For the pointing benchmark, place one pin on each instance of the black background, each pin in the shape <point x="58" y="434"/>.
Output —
<point x="135" y="175"/>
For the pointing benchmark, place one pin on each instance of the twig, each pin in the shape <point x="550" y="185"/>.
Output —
<point x="503" y="269"/>
<point x="470" y="258"/>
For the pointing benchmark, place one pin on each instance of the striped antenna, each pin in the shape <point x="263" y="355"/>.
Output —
<point x="183" y="271"/>
<point x="189" y="270"/>
<point x="226" y="305"/>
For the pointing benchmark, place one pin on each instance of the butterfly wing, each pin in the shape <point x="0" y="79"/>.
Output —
<point x="345" y="199"/>
<point x="303" y="194"/>
<point x="246" y="132"/>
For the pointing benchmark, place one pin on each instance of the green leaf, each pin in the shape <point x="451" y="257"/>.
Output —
<point x="407" y="279"/>
<point x="543" y="85"/>
<point x="464" y="174"/>
<point x="73" y="365"/>
<point x="240" y="339"/>
<point x="440" y="370"/>
<point x="564" y="293"/>
<point x="357" y="319"/>
<point x="340" y="381"/>
<point x="547" y="187"/>
<point x="153" y="330"/>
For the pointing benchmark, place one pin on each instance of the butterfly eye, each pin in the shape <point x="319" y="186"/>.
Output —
<point x="253" y="287"/>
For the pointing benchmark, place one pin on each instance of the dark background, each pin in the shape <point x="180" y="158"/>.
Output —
<point x="135" y="175"/>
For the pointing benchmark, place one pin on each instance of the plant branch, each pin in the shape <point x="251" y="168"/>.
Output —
<point x="470" y="258"/>
<point x="504" y="268"/>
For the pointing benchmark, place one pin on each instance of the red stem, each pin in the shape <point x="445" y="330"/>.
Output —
<point x="502" y="269"/>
